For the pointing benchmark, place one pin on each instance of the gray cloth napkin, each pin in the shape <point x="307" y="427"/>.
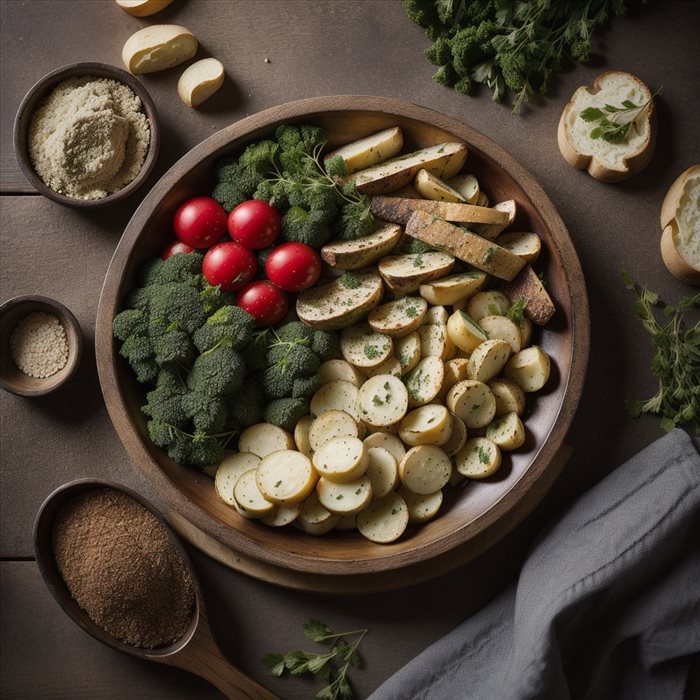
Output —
<point x="607" y="604"/>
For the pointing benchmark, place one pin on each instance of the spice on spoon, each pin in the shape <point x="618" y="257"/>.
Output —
<point x="122" y="567"/>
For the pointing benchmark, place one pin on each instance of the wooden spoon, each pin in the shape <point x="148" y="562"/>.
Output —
<point x="196" y="651"/>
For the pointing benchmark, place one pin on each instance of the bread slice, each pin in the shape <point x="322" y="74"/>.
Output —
<point x="680" y="221"/>
<point x="608" y="162"/>
<point x="200" y="81"/>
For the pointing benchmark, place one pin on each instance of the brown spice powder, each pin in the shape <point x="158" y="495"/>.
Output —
<point x="123" y="568"/>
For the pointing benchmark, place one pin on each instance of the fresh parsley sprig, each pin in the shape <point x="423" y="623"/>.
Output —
<point x="676" y="362"/>
<point x="332" y="666"/>
<point x="614" y="123"/>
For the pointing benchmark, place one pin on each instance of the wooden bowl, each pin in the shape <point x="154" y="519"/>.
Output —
<point x="474" y="516"/>
<point x="41" y="89"/>
<point x="11" y="377"/>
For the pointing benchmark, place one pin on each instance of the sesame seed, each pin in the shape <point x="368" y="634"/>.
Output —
<point x="39" y="346"/>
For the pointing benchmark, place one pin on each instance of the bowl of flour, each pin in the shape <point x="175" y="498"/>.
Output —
<point x="86" y="135"/>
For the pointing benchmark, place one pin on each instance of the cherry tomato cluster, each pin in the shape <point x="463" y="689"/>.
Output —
<point x="201" y="222"/>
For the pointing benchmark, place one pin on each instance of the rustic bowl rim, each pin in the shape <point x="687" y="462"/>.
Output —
<point x="41" y="88"/>
<point x="74" y="337"/>
<point x="513" y="505"/>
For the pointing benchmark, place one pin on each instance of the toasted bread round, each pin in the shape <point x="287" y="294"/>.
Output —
<point x="680" y="221"/>
<point x="608" y="162"/>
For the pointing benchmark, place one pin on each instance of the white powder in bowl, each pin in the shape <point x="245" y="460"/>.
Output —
<point x="39" y="346"/>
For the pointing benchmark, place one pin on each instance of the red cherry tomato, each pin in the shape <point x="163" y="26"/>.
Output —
<point x="255" y="224"/>
<point x="293" y="266"/>
<point x="200" y="222"/>
<point x="176" y="247"/>
<point x="229" y="265"/>
<point x="265" y="302"/>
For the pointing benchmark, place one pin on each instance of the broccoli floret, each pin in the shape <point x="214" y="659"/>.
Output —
<point x="356" y="220"/>
<point x="255" y="353"/>
<point x="174" y="347"/>
<point x="228" y="322"/>
<point x="137" y="348"/>
<point x="129" y="322"/>
<point x="146" y="370"/>
<point x="208" y="413"/>
<point x="294" y="332"/>
<point x="335" y="167"/>
<point x="198" y="449"/>
<point x="259" y="157"/>
<point x="314" y="137"/>
<point x="246" y="406"/>
<point x="177" y="302"/>
<point x="440" y="52"/>
<point x="217" y="372"/>
<point x="288" y="364"/>
<point x="326" y="344"/>
<point x="137" y="299"/>
<point x="181" y="267"/>
<point x="238" y="185"/>
<point x="301" y="226"/>
<point x="306" y="387"/>
<point x="165" y="405"/>
<point x="205" y="451"/>
<point x="288" y="137"/>
<point x="286" y="412"/>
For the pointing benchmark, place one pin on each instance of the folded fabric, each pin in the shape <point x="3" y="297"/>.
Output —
<point x="607" y="604"/>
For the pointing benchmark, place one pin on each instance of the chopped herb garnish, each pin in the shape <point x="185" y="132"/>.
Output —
<point x="484" y="456"/>
<point x="278" y="484"/>
<point x="489" y="254"/>
<point x="371" y="352"/>
<point x="418" y="261"/>
<point x="376" y="400"/>
<point x="516" y="313"/>
<point x="350" y="280"/>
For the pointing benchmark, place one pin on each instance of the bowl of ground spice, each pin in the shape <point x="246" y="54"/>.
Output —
<point x="41" y="345"/>
<point x="86" y="135"/>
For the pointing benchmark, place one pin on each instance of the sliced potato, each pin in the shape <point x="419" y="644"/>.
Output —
<point x="301" y="436"/>
<point x="346" y="523"/>
<point x="249" y="498"/>
<point x="424" y="381"/>
<point x="457" y="438"/>
<point x="436" y="341"/>
<point x="341" y="459"/>
<point x="404" y="273"/>
<point x="507" y="431"/>
<point x="399" y="317"/>
<point x="473" y="402"/>
<point x="229" y="471"/>
<point x="455" y="371"/>
<point x="465" y="331"/>
<point x="509" y="396"/>
<point x="332" y="424"/>
<point x="425" y="469"/>
<point x="384" y="520"/>
<point x="525" y="245"/>
<point x="286" y="477"/>
<point x="364" y="347"/>
<point x="339" y="395"/>
<point x="483" y="200"/>
<point x="333" y="370"/>
<point x="391" y="366"/>
<point x="348" y="498"/>
<point x="488" y="303"/>
<point x="387" y="441"/>
<point x="382" y="400"/>
<point x="491" y="231"/>
<point x="488" y="360"/>
<point x="314" y="519"/>
<point x="469" y="247"/>
<point x="362" y="252"/>
<point x="525" y="327"/>
<point x="370" y="150"/>
<point x="383" y="471"/>
<point x="263" y="438"/>
<point x="450" y="289"/>
<point x="467" y="186"/>
<point x="421" y="508"/>
<point x="479" y="458"/>
<point x="529" y="368"/>
<point x="407" y="351"/>
<point x="443" y="160"/>
<point x="426" y="425"/>
<point x="432" y="187"/>
<point x="333" y="306"/>
<point x="437" y="315"/>
<point x="502" y="327"/>
<point x="282" y="515"/>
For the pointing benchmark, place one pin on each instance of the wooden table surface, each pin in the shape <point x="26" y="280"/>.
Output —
<point x="275" y="51"/>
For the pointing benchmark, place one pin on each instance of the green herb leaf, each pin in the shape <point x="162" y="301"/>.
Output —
<point x="591" y="114"/>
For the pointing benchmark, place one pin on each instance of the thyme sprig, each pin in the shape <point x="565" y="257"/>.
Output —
<point x="332" y="666"/>
<point x="614" y="123"/>
<point x="676" y="362"/>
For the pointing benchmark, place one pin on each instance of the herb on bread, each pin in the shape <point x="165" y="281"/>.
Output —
<point x="676" y="362"/>
<point x="614" y="123"/>
<point x="332" y="666"/>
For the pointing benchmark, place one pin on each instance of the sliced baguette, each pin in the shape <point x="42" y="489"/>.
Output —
<point x="680" y="221"/>
<point x="444" y="160"/>
<point x="608" y="162"/>
<point x="158" y="47"/>
<point x="465" y="245"/>
<point x="143" y="8"/>
<point x="399" y="210"/>
<point x="200" y="81"/>
<point x="539" y="307"/>
<point x="370" y="150"/>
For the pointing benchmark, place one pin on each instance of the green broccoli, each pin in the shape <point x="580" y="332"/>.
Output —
<point x="309" y="227"/>
<point x="326" y="344"/>
<point x="198" y="448"/>
<point x="286" y="412"/>
<point x="181" y="267"/>
<point x="217" y="372"/>
<point x="173" y="347"/>
<point x="129" y="322"/>
<point x="177" y="302"/>
<point x="255" y="353"/>
<point x="229" y="322"/>
<point x="246" y="406"/>
<point x="165" y="405"/>
<point x="208" y="413"/>
<point x="306" y="387"/>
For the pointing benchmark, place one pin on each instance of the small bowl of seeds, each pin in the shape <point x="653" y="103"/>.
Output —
<point x="41" y="345"/>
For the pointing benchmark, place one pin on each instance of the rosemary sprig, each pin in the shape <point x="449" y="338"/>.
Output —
<point x="614" y="123"/>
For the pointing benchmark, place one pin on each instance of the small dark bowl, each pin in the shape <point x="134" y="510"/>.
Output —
<point x="12" y="379"/>
<point x="43" y="553"/>
<point x="41" y="89"/>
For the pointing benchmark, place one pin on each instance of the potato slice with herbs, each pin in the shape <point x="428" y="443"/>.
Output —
<point x="404" y="273"/>
<point x="407" y="351"/>
<point x="488" y="360"/>
<point x="229" y="471"/>
<point x="426" y="425"/>
<point x="251" y="502"/>
<point x="421" y="507"/>
<point x="333" y="370"/>
<point x="384" y="520"/>
<point x="455" y="371"/>
<point x="473" y="402"/>
<point x="332" y="424"/>
<point x="391" y="366"/>
<point x="263" y="438"/>
<point x="479" y="458"/>
<point x="502" y="327"/>
<point x="529" y="368"/>
<point x="509" y="396"/>
<point x="488" y="303"/>
<point x="369" y="150"/>
<point x="362" y="346"/>
<point x="341" y="459"/>
<point x="362" y="252"/>
<point x="525" y="245"/>
<point x="507" y="431"/>
<point x="399" y="317"/>
<point x="436" y="341"/>
<point x="383" y="471"/>
<point x="450" y="289"/>
<point x="283" y="515"/>
<point x="340" y="395"/>
<point x="388" y="441"/>
<point x="465" y="332"/>
<point x="382" y="400"/>
<point x="467" y="186"/>
<point x="286" y="477"/>
<point x="433" y="188"/>
<point x="348" y="498"/>
<point x="314" y="519"/>
<point x="436" y="316"/>
<point x="425" y="469"/>
<point x="424" y="381"/>
<point x="301" y="436"/>
<point x="457" y="438"/>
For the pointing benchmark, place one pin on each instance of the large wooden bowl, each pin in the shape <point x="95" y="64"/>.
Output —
<point x="474" y="516"/>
